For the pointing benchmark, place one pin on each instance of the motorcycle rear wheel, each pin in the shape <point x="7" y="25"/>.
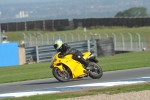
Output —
<point x="96" y="71"/>
<point x="61" y="76"/>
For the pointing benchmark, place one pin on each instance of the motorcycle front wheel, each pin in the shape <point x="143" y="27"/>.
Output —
<point x="96" y="71"/>
<point x="62" y="76"/>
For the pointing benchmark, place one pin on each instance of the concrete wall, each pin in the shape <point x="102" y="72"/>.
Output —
<point x="22" y="56"/>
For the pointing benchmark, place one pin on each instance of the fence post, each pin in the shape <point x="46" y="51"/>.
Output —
<point x="122" y="40"/>
<point x="78" y="37"/>
<point x="58" y="35"/>
<point x="84" y="36"/>
<point x="88" y="45"/>
<point x="92" y="35"/>
<point x="148" y="41"/>
<point x="44" y="25"/>
<point x="131" y="41"/>
<point x="71" y="36"/>
<point x="106" y="35"/>
<point x="95" y="46"/>
<point x="41" y="37"/>
<point x="99" y="35"/>
<point x="47" y="38"/>
<point x="25" y="26"/>
<point x="139" y="40"/>
<point x="30" y="38"/>
<point x="115" y="40"/>
<point x="37" y="51"/>
<point x="65" y="37"/>
<point x="37" y="54"/>
<point x="52" y="36"/>
<point x="24" y="39"/>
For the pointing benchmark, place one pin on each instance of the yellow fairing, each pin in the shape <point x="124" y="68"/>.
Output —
<point x="75" y="67"/>
<point x="60" y="67"/>
<point x="86" y="55"/>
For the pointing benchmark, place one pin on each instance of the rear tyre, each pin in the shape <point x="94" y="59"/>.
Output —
<point x="61" y="76"/>
<point x="95" y="71"/>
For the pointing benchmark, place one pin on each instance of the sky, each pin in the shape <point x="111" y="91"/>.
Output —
<point x="24" y="1"/>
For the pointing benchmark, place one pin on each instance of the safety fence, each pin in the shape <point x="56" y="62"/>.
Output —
<point x="122" y="42"/>
<point x="60" y="24"/>
<point x="44" y="53"/>
<point x="66" y="24"/>
<point x="116" y="21"/>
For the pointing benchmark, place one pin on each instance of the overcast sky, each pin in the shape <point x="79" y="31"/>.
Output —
<point x="24" y="1"/>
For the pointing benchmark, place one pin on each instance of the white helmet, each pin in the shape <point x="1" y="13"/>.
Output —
<point x="57" y="44"/>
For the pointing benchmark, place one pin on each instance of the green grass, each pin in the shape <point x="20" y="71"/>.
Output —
<point x="143" y="31"/>
<point x="125" y="61"/>
<point x="42" y="70"/>
<point x="123" y="89"/>
<point x="25" y="72"/>
<point x="87" y="92"/>
<point x="117" y="62"/>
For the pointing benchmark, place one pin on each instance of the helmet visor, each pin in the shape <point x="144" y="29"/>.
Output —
<point x="55" y="46"/>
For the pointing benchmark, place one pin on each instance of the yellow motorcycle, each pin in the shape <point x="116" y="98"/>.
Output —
<point x="66" y="68"/>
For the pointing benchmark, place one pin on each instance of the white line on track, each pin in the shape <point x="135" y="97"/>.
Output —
<point x="74" y="87"/>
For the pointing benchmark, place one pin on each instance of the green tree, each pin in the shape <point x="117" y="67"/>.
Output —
<point x="133" y="12"/>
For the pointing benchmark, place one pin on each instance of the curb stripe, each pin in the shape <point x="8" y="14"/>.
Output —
<point x="21" y="94"/>
<point x="75" y="87"/>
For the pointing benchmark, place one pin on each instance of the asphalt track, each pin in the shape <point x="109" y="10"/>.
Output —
<point x="52" y="83"/>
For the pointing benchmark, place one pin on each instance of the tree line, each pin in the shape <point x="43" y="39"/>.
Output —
<point x="133" y="12"/>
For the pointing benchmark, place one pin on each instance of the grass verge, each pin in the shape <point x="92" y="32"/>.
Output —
<point x="42" y="70"/>
<point x="143" y="31"/>
<point x="87" y="92"/>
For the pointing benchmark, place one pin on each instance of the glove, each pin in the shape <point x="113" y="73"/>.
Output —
<point x="60" y="56"/>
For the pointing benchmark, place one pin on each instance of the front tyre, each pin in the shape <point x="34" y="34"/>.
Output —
<point x="96" y="71"/>
<point x="61" y="76"/>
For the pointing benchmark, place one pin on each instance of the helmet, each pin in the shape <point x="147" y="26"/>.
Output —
<point x="57" y="44"/>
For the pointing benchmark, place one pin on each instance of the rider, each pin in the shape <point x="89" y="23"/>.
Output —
<point x="64" y="49"/>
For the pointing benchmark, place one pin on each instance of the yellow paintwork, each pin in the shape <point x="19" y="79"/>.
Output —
<point x="60" y="67"/>
<point x="75" y="66"/>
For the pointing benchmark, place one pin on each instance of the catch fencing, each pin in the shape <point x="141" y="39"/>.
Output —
<point x="60" y="24"/>
<point x="122" y="41"/>
<point x="66" y="24"/>
<point x="44" y="53"/>
<point x="116" y="21"/>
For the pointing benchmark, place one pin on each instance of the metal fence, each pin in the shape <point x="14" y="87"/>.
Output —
<point x="44" y="53"/>
<point x="116" y="21"/>
<point x="66" y="24"/>
<point x="60" y="24"/>
<point x="130" y="42"/>
<point x="122" y="42"/>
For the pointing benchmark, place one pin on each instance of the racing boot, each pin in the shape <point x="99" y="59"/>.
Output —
<point x="84" y="62"/>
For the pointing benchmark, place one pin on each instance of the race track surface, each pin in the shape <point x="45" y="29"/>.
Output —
<point x="50" y="83"/>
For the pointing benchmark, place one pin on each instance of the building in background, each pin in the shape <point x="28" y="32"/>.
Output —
<point x="22" y="14"/>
